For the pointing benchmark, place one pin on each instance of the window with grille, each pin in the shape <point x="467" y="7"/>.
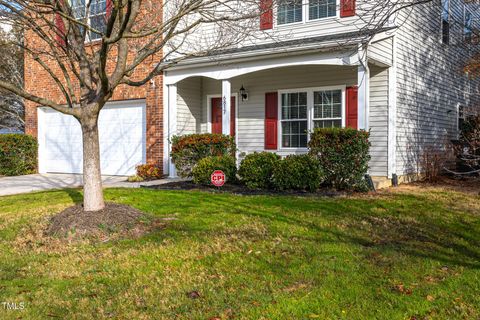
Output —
<point x="289" y="11"/>
<point x="327" y="109"/>
<point x="322" y="9"/>
<point x="96" y="14"/>
<point x="294" y="120"/>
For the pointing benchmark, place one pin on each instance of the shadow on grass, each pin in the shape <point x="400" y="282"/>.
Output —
<point x="75" y="195"/>
<point x="410" y="225"/>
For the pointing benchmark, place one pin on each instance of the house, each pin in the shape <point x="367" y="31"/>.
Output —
<point x="130" y="125"/>
<point x="310" y="64"/>
<point x="334" y="67"/>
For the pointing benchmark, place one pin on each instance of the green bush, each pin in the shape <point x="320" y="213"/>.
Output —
<point x="298" y="172"/>
<point x="203" y="170"/>
<point x="18" y="154"/>
<point x="188" y="150"/>
<point x="343" y="154"/>
<point x="256" y="170"/>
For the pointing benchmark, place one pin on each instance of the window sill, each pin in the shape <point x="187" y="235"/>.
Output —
<point x="319" y="21"/>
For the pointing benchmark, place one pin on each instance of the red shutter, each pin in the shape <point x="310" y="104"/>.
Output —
<point x="109" y="8"/>
<point x="266" y="17"/>
<point x="352" y="107"/>
<point x="347" y="8"/>
<point x="60" y="30"/>
<point x="271" y="120"/>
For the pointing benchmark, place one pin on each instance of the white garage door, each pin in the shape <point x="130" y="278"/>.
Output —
<point x="122" y="130"/>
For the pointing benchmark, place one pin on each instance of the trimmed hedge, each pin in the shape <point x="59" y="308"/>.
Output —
<point x="256" y="170"/>
<point x="188" y="150"/>
<point x="343" y="154"/>
<point x="202" y="172"/>
<point x="298" y="172"/>
<point x="18" y="154"/>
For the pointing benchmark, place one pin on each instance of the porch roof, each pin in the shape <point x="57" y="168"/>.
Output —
<point x="332" y="42"/>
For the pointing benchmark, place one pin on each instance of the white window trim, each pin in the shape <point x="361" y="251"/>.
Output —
<point x="88" y="38"/>
<point x="305" y="16"/>
<point x="465" y="10"/>
<point x="310" y="111"/>
<point x="449" y="23"/>
<point x="335" y="17"/>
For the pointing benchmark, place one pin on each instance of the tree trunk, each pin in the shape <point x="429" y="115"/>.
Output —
<point x="92" y="179"/>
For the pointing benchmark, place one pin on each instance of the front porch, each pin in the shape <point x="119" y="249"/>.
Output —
<point x="307" y="96"/>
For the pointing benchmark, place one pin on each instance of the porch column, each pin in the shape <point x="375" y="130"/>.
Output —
<point x="172" y="125"/>
<point x="226" y="106"/>
<point x="363" y="90"/>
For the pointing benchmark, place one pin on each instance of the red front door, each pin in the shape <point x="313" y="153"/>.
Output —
<point x="217" y="116"/>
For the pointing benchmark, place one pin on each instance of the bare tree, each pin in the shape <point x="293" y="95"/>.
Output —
<point x="11" y="70"/>
<point x="88" y="59"/>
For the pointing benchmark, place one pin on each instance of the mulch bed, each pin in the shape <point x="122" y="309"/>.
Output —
<point x="116" y="221"/>
<point x="242" y="190"/>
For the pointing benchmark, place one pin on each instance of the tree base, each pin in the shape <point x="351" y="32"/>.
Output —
<point x="113" y="222"/>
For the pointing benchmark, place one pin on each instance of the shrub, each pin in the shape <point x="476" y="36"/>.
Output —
<point x="343" y="154"/>
<point x="149" y="171"/>
<point x="18" y="154"/>
<point x="202" y="172"/>
<point x="135" y="178"/>
<point x="298" y="172"/>
<point x="256" y="170"/>
<point x="188" y="150"/>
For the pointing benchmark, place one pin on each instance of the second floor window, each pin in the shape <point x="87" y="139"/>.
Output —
<point x="322" y="9"/>
<point x="445" y="21"/>
<point x="96" y="15"/>
<point x="468" y="28"/>
<point x="290" y="11"/>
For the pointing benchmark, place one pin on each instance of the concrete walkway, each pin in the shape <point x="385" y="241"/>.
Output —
<point x="43" y="182"/>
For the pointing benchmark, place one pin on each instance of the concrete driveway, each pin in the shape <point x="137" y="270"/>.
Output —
<point x="42" y="182"/>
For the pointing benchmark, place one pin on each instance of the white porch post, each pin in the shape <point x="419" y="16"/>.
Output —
<point x="172" y="125"/>
<point x="363" y="90"/>
<point x="226" y="106"/>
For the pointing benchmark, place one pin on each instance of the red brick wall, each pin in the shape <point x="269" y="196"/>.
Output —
<point x="39" y="82"/>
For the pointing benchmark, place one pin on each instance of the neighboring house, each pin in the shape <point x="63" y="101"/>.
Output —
<point x="312" y="64"/>
<point x="322" y="65"/>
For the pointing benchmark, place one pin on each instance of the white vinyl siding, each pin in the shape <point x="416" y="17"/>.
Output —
<point x="428" y="93"/>
<point x="189" y="106"/>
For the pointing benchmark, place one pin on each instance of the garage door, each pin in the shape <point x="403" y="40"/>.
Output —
<point x="122" y="131"/>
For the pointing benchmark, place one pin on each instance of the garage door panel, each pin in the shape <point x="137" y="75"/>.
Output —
<point x="122" y="138"/>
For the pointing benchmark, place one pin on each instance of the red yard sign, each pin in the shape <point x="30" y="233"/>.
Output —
<point x="218" y="178"/>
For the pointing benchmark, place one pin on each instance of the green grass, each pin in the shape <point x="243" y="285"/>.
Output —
<point x="397" y="255"/>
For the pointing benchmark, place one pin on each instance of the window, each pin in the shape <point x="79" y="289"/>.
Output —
<point x="467" y="29"/>
<point x="327" y="109"/>
<point x="306" y="109"/>
<point x="445" y="21"/>
<point x="96" y="15"/>
<point x="322" y="9"/>
<point x="460" y="117"/>
<point x="289" y="11"/>
<point x="294" y="120"/>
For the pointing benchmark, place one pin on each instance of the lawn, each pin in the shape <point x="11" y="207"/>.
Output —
<point x="408" y="254"/>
